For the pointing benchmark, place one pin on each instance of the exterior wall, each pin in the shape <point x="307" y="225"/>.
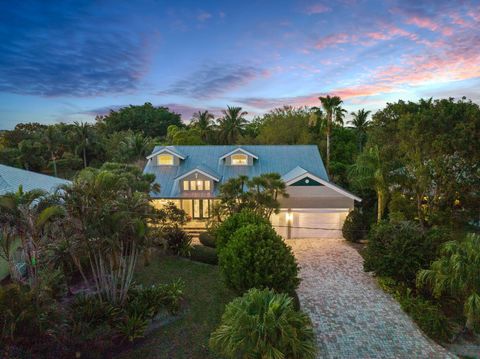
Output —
<point x="197" y="194"/>
<point x="315" y="197"/>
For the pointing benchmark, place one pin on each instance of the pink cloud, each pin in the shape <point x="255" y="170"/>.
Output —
<point x="426" y="23"/>
<point x="335" y="39"/>
<point x="317" y="9"/>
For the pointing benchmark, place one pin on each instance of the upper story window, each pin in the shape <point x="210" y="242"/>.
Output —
<point x="239" y="160"/>
<point x="196" y="185"/>
<point x="165" y="160"/>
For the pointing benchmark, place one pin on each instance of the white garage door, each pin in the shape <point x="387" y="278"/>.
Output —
<point x="310" y="223"/>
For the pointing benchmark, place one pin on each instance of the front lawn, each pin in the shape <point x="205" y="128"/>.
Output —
<point x="206" y="297"/>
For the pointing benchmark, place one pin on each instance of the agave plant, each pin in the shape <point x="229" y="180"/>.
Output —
<point x="265" y="325"/>
<point x="457" y="272"/>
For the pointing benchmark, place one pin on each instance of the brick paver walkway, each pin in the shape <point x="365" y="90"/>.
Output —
<point x="352" y="316"/>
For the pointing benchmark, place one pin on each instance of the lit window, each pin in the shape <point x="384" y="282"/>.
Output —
<point x="186" y="186"/>
<point x="165" y="160"/>
<point x="200" y="185"/>
<point x="193" y="185"/>
<point x="239" y="160"/>
<point x="207" y="185"/>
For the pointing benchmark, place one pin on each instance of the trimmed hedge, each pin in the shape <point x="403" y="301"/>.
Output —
<point x="207" y="239"/>
<point x="257" y="257"/>
<point x="200" y="253"/>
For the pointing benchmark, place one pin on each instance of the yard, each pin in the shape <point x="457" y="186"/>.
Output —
<point x="205" y="296"/>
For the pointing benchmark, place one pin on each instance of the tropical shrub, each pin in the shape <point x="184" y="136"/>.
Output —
<point x="225" y="230"/>
<point x="204" y="254"/>
<point x="132" y="327"/>
<point x="398" y="250"/>
<point x="356" y="226"/>
<point x="457" y="272"/>
<point x="207" y="239"/>
<point x="178" y="241"/>
<point x="264" y="324"/>
<point x="257" y="257"/>
<point x="155" y="298"/>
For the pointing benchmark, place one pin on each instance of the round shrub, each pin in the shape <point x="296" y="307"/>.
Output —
<point x="263" y="324"/>
<point x="203" y="254"/>
<point x="207" y="239"/>
<point x="355" y="227"/>
<point x="224" y="231"/>
<point x="257" y="257"/>
<point x="398" y="250"/>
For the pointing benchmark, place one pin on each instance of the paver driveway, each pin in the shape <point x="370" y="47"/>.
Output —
<point x="352" y="316"/>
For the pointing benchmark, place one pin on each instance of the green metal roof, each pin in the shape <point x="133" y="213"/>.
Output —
<point x="11" y="178"/>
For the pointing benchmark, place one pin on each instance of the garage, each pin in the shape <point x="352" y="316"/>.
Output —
<point x="310" y="222"/>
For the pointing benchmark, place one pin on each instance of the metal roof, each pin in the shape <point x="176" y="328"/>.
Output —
<point x="281" y="159"/>
<point x="11" y="178"/>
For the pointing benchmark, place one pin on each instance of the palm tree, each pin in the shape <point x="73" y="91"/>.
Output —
<point x="232" y="124"/>
<point x="51" y="137"/>
<point x="203" y="121"/>
<point x="334" y="112"/>
<point x="135" y="146"/>
<point x="26" y="214"/>
<point x="368" y="173"/>
<point x="457" y="272"/>
<point x="360" y="124"/>
<point x="82" y="130"/>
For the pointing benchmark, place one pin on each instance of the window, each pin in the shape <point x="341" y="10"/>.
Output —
<point x="165" y="160"/>
<point x="239" y="160"/>
<point x="186" y="186"/>
<point x="200" y="185"/>
<point x="193" y="185"/>
<point x="196" y="185"/>
<point x="207" y="185"/>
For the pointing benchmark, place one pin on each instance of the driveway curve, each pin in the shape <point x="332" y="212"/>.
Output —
<point x="353" y="317"/>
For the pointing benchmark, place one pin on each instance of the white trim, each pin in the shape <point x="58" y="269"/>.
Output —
<point x="165" y="150"/>
<point x="237" y="150"/>
<point x="325" y="183"/>
<point x="199" y="171"/>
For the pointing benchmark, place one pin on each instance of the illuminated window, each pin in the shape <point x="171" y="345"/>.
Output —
<point x="186" y="186"/>
<point x="165" y="160"/>
<point x="200" y="185"/>
<point x="197" y="185"/>
<point x="207" y="185"/>
<point x="239" y="160"/>
<point x="193" y="185"/>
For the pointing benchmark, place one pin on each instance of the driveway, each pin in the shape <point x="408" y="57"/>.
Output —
<point x="352" y="316"/>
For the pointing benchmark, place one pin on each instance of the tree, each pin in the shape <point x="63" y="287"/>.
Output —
<point x="135" y="146"/>
<point x="360" y="124"/>
<point x="203" y="122"/>
<point x="184" y="136"/>
<point x="231" y="125"/>
<point x="82" y="131"/>
<point x="27" y="214"/>
<point x="52" y="138"/>
<point x="150" y="120"/>
<point x="368" y="172"/>
<point x="334" y="113"/>
<point x="457" y="272"/>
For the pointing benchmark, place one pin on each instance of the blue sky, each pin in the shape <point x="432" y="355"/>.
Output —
<point x="71" y="60"/>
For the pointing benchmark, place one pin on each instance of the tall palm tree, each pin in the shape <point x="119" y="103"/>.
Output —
<point x="232" y="124"/>
<point x="334" y="112"/>
<point x="368" y="172"/>
<point x="82" y="130"/>
<point x="51" y="137"/>
<point x="456" y="273"/>
<point x="203" y="121"/>
<point x="360" y="124"/>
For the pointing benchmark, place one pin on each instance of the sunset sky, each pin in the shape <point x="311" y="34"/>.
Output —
<point x="70" y="60"/>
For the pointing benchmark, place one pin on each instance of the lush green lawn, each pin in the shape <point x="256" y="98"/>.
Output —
<point x="206" y="296"/>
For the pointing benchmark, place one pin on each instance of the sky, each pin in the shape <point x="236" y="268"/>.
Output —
<point x="65" y="61"/>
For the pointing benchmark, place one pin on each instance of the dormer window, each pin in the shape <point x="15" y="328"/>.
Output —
<point x="239" y="159"/>
<point x="165" y="159"/>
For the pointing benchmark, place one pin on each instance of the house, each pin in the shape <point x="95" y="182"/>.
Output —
<point x="11" y="178"/>
<point x="190" y="177"/>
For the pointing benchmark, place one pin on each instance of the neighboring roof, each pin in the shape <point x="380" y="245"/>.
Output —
<point x="11" y="178"/>
<point x="239" y="149"/>
<point x="271" y="158"/>
<point x="299" y="173"/>
<point x="170" y="149"/>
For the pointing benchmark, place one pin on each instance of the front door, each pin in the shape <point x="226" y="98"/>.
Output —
<point x="197" y="208"/>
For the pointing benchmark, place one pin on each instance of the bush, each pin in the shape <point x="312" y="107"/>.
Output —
<point x="178" y="241"/>
<point x="263" y="324"/>
<point x="399" y="250"/>
<point x="356" y="226"/>
<point x="257" y="257"/>
<point x="207" y="239"/>
<point x="225" y="230"/>
<point x="148" y="302"/>
<point x="204" y="254"/>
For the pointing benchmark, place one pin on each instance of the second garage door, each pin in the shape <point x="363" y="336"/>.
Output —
<point x="310" y="223"/>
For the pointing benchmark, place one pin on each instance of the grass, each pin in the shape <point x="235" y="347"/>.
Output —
<point x="206" y="297"/>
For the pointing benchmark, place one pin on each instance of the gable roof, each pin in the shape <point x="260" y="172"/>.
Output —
<point x="239" y="149"/>
<point x="11" y="178"/>
<point x="203" y="170"/>
<point x="170" y="149"/>
<point x="271" y="158"/>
